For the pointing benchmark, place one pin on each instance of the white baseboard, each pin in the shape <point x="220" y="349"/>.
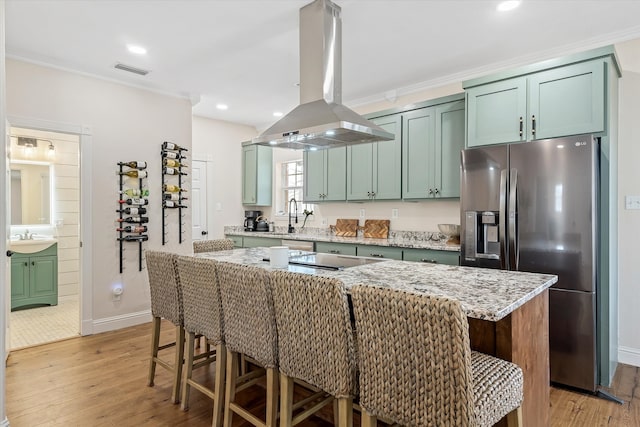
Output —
<point x="629" y="356"/>
<point x="119" y="322"/>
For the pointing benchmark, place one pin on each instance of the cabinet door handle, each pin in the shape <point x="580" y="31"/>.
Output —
<point x="376" y="255"/>
<point x="204" y="233"/>
<point x="334" y="251"/>
<point x="521" y="124"/>
<point x="26" y="264"/>
<point x="430" y="261"/>
<point x="430" y="191"/>
<point x="436" y="191"/>
<point x="533" y="125"/>
<point x="33" y="263"/>
<point x="373" y="194"/>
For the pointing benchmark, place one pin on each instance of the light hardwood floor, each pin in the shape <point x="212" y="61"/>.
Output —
<point x="101" y="381"/>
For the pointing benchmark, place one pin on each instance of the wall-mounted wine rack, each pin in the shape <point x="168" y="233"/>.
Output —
<point x="173" y="158"/>
<point x="133" y="207"/>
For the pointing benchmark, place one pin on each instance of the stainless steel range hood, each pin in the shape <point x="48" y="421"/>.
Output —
<point x="321" y="121"/>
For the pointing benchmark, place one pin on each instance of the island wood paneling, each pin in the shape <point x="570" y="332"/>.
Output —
<point x="522" y="337"/>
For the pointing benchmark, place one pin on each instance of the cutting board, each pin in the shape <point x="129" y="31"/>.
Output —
<point x="346" y="227"/>
<point x="376" y="228"/>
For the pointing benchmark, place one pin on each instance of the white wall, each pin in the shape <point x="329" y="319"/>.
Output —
<point x="126" y="124"/>
<point x="629" y="220"/>
<point x="220" y="144"/>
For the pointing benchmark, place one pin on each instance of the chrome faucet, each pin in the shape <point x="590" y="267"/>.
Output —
<point x="291" y="229"/>
<point x="27" y="236"/>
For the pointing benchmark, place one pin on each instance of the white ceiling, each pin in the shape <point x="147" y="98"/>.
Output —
<point x="244" y="53"/>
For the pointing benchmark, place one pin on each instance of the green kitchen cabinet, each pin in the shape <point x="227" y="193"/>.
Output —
<point x="379" y="252"/>
<point x="257" y="166"/>
<point x="336" y="248"/>
<point x="374" y="170"/>
<point x="432" y="256"/>
<point x="431" y="142"/>
<point x="257" y="242"/>
<point x="34" y="278"/>
<point x="325" y="174"/>
<point x="562" y="101"/>
<point x="237" y="241"/>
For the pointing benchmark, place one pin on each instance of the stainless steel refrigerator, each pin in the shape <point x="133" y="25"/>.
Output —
<point x="534" y="207"/>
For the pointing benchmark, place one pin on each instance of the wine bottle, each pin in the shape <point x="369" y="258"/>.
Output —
<point x="170" y="188"/>
<point x="171" y="146"/>
<point x="135" y="201"/>
<point x="173" y="155"/>
<point x="133" y="173"/>
<point x="135" y="238"/>
<point x="136" y="192"/>
<point x="173" y="163"/>
<point x="173" y="196"/>
<point x="133" y="228"/>
<point x="133" y="210"/>
<point x="134" y="164"/>
<point x="171" y="204"/>
<point x="134" y="219"/>
<point x="173" y="171"/>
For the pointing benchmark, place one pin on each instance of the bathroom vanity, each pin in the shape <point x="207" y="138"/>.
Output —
<point x="34" y="273"/>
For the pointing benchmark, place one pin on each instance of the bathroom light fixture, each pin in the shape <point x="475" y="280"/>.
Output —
<point x="277" y="114"/>
<point x="51" y="152"/>
<point x="508" y="5"/>
<point x="222" y="106"/>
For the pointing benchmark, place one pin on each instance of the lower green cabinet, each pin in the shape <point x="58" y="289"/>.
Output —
<point x="431" y="256"/>
<point x="237" y="241"/>
<point x="34" y="278"/>
<point x="379" y="252"/>
<point x="335" y="248"/>
<point x="259" y="242"/>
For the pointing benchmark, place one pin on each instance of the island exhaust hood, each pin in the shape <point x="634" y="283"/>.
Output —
<point x="321" y="121"/>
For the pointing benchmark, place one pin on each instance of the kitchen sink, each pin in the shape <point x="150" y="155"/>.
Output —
<point x="331" y="261"/>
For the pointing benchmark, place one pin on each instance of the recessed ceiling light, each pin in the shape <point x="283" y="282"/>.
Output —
<point x="277" y="114"/>
<point x="222" y="106"/>
<point x="508" y="5"/>
<point x="138" y="50"/>
<point x="273" y="142"/>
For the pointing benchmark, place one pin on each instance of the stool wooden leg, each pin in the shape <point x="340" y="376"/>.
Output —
<point x="336" y="411"/>
<point x="177" y="364"/>
<point x="230" y="389"/>
<point x="286" y="400"/>
<point x="155" y="343"/>
<point x="368" y="420"/>
<point x="514" y="418"/>
<point x="272" y="397"/>
<point x="345" y="412"/>
<point x="186" y="388"/>
<point x="218" y="402"/>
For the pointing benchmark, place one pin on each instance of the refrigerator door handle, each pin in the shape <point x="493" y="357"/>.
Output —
<point x="502" y="229"/>
<point x="514" y="252"/>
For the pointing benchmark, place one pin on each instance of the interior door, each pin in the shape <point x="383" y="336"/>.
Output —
<point x="5" y="222"/>
<point x="199" y="199"/>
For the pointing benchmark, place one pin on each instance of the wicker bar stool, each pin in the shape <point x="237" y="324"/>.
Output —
<point x="315" y="345"/>
<point x="417" y="367"/>
<point x="202" y="316"/>
<point x="166" y="303"/>
<point x="249" y="330"/>
<point x="212" y="245"/>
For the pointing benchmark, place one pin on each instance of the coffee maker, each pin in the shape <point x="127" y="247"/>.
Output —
<point x="250" y="220"/>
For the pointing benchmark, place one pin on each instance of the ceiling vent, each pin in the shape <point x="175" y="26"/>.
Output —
<point x="131" y="69"/>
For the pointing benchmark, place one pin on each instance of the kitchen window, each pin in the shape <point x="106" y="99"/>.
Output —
<point x="292" y="181"/>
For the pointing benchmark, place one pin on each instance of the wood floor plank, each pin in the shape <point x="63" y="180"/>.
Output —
<point x="100" y="380"/>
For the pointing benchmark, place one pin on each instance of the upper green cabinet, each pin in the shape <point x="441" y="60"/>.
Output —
<point x="431" y="142"/>
<point x="374" y="170"/>
<point x="325" y="174"/>
<point x="566" y="100"/>
<point x="257" y="166"/>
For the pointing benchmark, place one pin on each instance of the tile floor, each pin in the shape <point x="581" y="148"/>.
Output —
<point x="41" y="325"/>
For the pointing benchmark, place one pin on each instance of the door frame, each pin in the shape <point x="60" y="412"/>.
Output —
<point x="84" y="133"/>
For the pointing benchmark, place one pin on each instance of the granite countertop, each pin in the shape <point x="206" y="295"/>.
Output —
<point x="485" y="294"/>
<point x="404" y="239"/>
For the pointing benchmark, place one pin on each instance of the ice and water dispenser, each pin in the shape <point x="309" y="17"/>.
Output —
<point x="481" y="235"/>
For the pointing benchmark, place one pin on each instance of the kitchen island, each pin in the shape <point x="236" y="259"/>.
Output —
<point x="508" y="311"/>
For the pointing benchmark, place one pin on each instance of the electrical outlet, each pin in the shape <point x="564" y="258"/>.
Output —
<point x="394" y="213"/>
<point x="632" y="202"/>
<point x="324" y="221"/>
<point x="218" y="206"/>
<point x="361" y="213"/>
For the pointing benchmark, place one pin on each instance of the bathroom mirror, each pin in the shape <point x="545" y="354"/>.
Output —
<point x="30" y="193"/>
